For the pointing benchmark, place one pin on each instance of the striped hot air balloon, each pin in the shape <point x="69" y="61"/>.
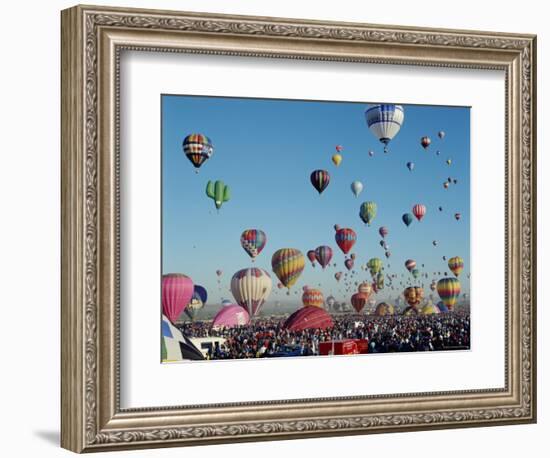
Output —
<point x="320" y="180"/>
<point x="313" y="297"/>
<point x="448" y="290"/>
<point x="323" y="255"/>
<point x="288" y="264"/>
<point x="384" y="121"/>
<point x="198" y="148"/>
<point x="312" y="257"/>
<point x="456" y="264"/>
<point x="250" y="288"/>
<point x="253" y="242"/>
<point x="345" y="239"/>
<point x="419" y="211"/>
<point x="177" y="291"/>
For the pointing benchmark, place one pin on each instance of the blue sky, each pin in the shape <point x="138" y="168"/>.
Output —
<point x="265" y="151"/>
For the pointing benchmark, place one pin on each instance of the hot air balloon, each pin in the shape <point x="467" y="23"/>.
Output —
<point x="419" y="211"/>
<point x="415" y="273"/>
<point x="456" y="264"/>
<point x="448" y="290"/>
<point x="312" y="297"/>
<point x="331" y="302"/>
<point x="345" y="239"/>
<point x="338" y="275"/>
<point x="458" y="216"/>
<point x="198" y="149"/>
<point x="446" y="185"/>
<point x="339" y="148"/>
<point x="320" y="180"/>
<point x="455" y="181"/>
<point x="441" y="134"/>
<point x="387" y="254"/>
<point x="383" y="231"/>
<point x="218" y="192"/>
<point x="349" y="263"/>
<point x="442" y="307"/>
<point x="323" y="254"/>
<point x="288" y="264"/>
<point x="226" y="302"/>
<point x="253" y="242"/>
<point x="410" y="166"/>
<point x="413" y="295"/>
<point x="367" y="212"/>
<point x="384" y="309"/>
<point x="374" y="265"/>
<point x="429" y="309"/>
<point x="407" y="219"/>
<point x="356" y="188"/>
<point x="384" y="121"/>
<point x="311" y="256"/>
<point x="437" y="153"/>
<point x="308" y="318"/>
<point x="410" y="264"/>
<point x="336" y="159"/>
<point x="365" y="288"/>
<point x="449" y="161"/>
<point x="440" y="209"/>
<point x="250" y="288"/>
<point x="358" y="301"/>
<point x="219" y="272"/>
<point x="434" y="243"/>
<point x="433" y="285"/>
<point x="198" y="301"/>
<point x="371" y="153"/>
<point x="380" y="277"/>
<point x="425" y="142"/>
<point x="231" y="316"/>
<point x="177" y="291"/>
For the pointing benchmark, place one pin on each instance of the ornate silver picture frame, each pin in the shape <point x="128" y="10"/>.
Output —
<point x="93" y="39"/>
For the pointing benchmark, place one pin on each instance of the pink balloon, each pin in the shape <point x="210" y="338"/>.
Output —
<point x="177" y="291"/>
<point x="230" y="316"/>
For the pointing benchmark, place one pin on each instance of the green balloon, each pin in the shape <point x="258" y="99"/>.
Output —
<point x="218" y="192"/>
<point x="367" y="212"/>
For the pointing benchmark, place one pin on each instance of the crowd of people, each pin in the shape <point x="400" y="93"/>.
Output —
<point x="266" y="336"/>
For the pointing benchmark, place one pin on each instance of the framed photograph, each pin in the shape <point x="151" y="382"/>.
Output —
<point x="278" y="228"/>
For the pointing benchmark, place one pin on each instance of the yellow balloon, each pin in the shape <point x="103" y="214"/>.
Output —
<point x="337" y="158"/>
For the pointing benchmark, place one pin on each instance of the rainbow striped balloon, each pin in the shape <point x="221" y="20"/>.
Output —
<point x="288" y="264"/>
<point x="448" y="290"/>
<point x="456" y="264"/>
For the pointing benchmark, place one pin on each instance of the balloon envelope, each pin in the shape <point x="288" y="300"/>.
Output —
<point x="384" y="121"/>
<point x="230" y="316"/>
<point x="308" y="318"/>
<point x="177" y="290"/>
<point x="250" y="288"/>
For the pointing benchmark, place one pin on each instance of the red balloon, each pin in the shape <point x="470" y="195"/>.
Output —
<point x="308" y="318"/>
<point x="345" y="239"/>
<point x="359" y="300"/>
<point x="419" y="211"/>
